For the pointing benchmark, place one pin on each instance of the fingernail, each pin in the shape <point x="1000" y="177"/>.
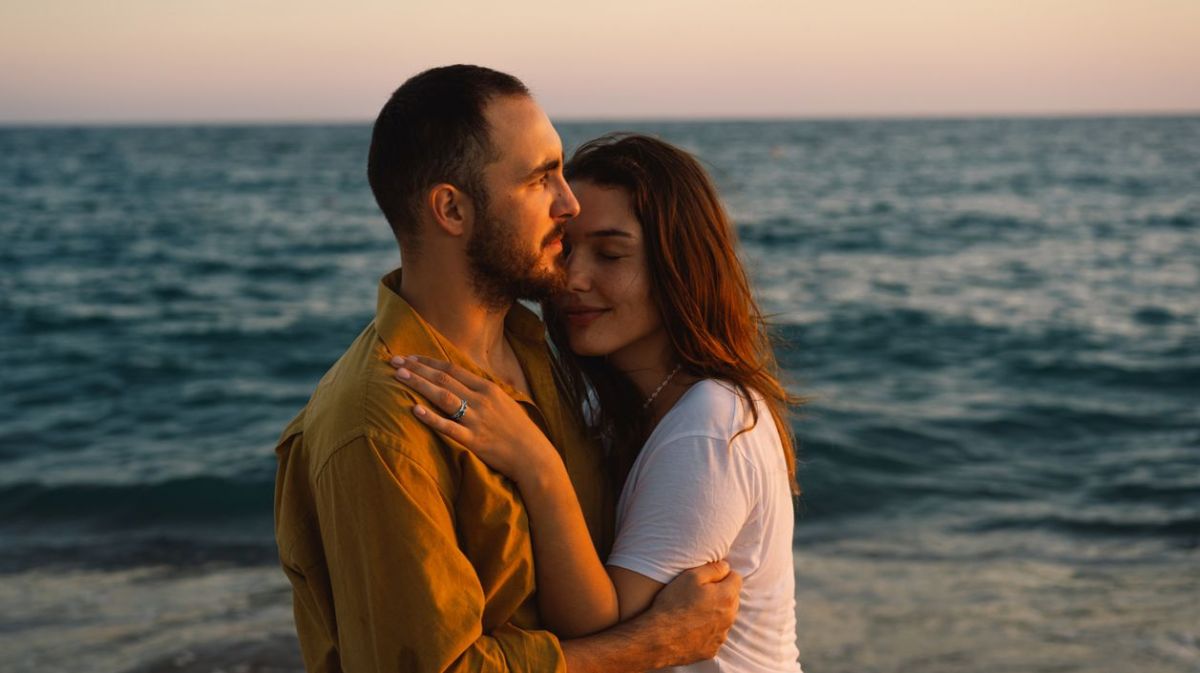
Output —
<point x="398" y="360"/>
<point x="403" y="373"/>
<point x="419" y="410"/>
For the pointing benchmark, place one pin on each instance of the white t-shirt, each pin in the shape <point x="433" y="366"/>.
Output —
<point x="693" y="496"/>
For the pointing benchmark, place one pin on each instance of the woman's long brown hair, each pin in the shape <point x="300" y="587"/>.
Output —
<point x="715" y="326"/>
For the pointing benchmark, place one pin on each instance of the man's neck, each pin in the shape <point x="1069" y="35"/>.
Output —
<point x="447" y="302"/>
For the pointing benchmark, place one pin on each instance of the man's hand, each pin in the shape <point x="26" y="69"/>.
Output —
<point x="695" y="612"/>
<point x="686" y="623"/>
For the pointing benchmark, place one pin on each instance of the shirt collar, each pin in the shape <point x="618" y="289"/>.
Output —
<point x="404" y="332"/>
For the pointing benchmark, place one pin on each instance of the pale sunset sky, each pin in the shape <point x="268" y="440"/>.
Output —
<point x="68" y="61"/>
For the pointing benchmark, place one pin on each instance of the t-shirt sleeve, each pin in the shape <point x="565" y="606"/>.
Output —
<point x="690" y="499"/>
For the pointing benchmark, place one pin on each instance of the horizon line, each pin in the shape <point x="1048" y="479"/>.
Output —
<point x="581" y="119"/>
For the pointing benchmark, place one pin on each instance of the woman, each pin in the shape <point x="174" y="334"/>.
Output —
<point x="659" y="324"/>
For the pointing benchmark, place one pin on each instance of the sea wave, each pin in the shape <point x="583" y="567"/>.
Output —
<point x="200" y="499"/>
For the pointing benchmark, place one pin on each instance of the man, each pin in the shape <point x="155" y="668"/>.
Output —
<point x="406" y="552"/>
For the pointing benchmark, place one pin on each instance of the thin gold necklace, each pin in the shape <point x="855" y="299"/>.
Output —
<point x="662" y="385"/>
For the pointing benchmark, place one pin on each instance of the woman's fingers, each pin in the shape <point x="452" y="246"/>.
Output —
<point x="446" y="395"/>
<point x="471" y="381"/>
<point x="446" y="427"/>
<point x="439" y="376"/>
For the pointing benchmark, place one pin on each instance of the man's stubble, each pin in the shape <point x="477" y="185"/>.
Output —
<point x="502" y="269"/>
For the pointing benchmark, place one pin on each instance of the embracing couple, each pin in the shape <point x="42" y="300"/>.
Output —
<point x="473" y="489"/>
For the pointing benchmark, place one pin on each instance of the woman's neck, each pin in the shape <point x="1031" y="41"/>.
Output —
<point x="646" y="362"/>
<point x="654" y="369"/>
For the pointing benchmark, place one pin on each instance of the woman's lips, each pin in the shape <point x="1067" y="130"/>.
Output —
<point x="582" y="317"/>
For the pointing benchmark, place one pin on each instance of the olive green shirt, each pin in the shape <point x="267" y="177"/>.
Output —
<point x="405" y="552"/>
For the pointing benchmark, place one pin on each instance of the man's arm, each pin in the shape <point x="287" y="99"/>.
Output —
<point x="687" y="622"/>
<point x="405" y="597"/>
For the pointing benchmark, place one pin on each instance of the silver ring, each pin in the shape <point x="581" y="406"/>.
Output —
<point x="462" y="411"/>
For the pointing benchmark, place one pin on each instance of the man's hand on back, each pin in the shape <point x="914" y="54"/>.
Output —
<point x="696" y="611"/>
<point x="687" y="622"/>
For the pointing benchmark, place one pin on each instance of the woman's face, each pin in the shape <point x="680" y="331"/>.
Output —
<point x="608" y="308"/>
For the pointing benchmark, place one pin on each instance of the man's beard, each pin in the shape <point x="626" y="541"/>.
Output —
<point x="503" y="271"/>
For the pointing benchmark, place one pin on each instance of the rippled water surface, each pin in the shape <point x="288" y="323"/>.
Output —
<point x="998" y="320"/>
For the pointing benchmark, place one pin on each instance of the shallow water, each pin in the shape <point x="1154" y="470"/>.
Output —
<point x="999" y="321"/>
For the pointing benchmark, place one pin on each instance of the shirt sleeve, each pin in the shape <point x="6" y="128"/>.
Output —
<point x="690" y="500"/>
<point x="405" y="597"/>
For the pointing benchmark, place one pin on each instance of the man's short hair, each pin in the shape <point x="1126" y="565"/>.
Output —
<point x="433" y="130"/>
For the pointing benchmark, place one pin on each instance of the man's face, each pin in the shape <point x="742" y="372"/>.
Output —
<point x="517" y="238"/>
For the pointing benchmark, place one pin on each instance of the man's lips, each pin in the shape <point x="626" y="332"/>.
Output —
<point x="554" y="237"/>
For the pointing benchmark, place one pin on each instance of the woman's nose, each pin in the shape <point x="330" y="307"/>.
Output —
<point x="578" y="278"/>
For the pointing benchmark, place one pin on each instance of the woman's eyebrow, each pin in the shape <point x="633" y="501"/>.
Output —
<point x="610" y="233"/>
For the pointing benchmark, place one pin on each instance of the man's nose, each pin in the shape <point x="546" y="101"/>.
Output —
<point x="566" y="206"/>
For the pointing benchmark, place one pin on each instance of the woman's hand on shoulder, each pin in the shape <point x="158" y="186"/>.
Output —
<point x="492" y="425"/>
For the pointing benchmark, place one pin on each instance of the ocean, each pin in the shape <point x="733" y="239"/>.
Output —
<point x="998" y="321"/>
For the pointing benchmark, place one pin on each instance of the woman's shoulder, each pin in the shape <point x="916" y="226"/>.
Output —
<point x="704" y="438"/>
<point x="710" y="408"/>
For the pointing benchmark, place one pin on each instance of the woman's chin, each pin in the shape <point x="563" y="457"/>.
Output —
<point x="586" y="348"/>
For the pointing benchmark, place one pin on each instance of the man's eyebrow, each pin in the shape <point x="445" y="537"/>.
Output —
<point x="545" y="167"/>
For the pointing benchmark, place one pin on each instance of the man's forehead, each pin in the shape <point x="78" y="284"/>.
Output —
<point x="522" y="133"/>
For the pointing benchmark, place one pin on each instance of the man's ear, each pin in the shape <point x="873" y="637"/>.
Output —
<point x="452" y="209"/>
